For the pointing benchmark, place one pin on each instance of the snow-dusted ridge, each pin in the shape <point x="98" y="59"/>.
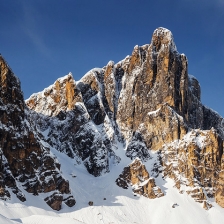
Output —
<point x="48" y="89"/>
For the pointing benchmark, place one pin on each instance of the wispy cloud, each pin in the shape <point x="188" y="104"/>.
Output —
<point x="220" y="3"/>
<point x="32" y="27"/>
<point x="206" y="3"/>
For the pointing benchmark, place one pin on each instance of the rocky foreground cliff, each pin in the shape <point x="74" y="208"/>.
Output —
<point x="25" y="161"/>
<point x="146" y="105"/>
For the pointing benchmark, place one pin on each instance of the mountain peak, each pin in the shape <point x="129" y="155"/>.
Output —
<point x="163" y="37"/>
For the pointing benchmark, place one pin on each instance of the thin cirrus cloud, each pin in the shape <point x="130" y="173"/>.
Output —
<point x="32" y="29"/>
<point x="221" y="3"/>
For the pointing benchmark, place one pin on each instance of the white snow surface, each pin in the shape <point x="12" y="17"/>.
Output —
<point x="111" y="204"/>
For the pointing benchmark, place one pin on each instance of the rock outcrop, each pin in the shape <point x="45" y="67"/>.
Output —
<point x="136" y="176"/>
<point x="61" y="96"/>
<point x="195" y="161"/>
<point x="75" y="130"/>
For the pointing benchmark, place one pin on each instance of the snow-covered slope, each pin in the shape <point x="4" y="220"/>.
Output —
<point x="112" y="204"/>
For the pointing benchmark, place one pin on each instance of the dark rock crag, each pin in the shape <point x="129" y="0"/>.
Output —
<point x="136" y="176"/>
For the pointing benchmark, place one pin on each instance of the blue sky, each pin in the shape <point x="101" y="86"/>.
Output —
<point x="46" y="39"/>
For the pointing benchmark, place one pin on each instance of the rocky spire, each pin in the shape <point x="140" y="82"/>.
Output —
<point x="162" y="38"/>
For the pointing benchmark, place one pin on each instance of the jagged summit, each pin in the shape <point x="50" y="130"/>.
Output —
<point x="163" y="37"/>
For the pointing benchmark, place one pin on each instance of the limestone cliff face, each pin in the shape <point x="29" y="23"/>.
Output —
<point x="146" y="102"/>
<point x="195" y="161"/>
<point x="23" y="158"/>
<point x="153" y="75"/>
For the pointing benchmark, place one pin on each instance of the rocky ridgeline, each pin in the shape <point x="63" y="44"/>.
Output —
<point x="70" y="127"/>
<point x="145" y="102"/>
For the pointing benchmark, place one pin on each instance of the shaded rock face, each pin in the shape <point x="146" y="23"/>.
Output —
<point x="23" y="158"/>
<point x="137" y="176"/>
<point x="137" y="148"/>
<point x="83" y="131"/>
<point x="56" y="199"/>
